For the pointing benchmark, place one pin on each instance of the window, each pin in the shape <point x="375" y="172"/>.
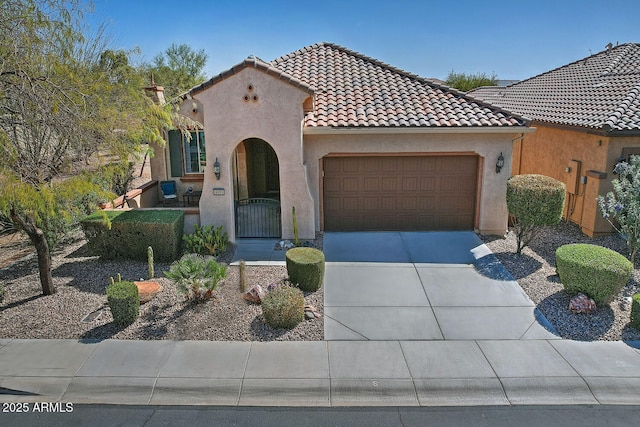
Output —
<point x="195" y="158"/>
<point x="187" y="155"/>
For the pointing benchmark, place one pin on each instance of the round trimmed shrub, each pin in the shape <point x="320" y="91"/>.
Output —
<point x="598" y="272"/>
<point x="305" y="267"/>
<point x="124" y="302"/>
<point x="535" y="199"/>
<point x="635" y="311"/>
<point x="283" y="307"/>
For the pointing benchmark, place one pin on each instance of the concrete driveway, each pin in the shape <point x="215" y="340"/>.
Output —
<point x="422" y="286"/>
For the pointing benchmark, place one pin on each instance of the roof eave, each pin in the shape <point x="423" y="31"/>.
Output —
<point x="385" y="130"/>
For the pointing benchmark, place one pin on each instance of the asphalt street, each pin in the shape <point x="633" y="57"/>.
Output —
<point x="217" y="416"/>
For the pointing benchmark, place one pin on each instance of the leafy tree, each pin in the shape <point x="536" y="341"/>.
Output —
<point x="621" y="207"/>
<point x="63" y="97"/>
<point x="466" y="82"/>
<point x="178" y="69"/>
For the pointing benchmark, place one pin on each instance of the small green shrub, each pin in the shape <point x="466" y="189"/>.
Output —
<point x="534" y="201"/>
<point x="124" y="302"/>
<point x="283" y="307"/>
<point x="598" y="272"/>
<point x="3" y="292"/>
<point x="305" y="267"/>
<point x="128" y="234"/>
<point x="196" y="277"/>
<point x="206" y="240"/>
<point x="635" y="311"/>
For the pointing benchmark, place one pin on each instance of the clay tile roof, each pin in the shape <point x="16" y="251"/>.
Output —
<point x="353" y="90"/>
<point x="599" y="92"/>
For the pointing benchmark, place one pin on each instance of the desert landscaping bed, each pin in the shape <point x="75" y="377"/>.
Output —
<point x="81" y="281"/>
<point x="535" y="271"/>
<point x="77" y="310"/>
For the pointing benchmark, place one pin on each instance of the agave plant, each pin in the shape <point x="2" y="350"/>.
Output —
<point x="196" y="277"/>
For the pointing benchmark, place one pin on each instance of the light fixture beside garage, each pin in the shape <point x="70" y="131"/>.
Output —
<point x="499" y="163"/>
<point x="216" y="168"/>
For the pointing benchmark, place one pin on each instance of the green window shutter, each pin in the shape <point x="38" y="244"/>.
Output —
<point x="175" y="152"/>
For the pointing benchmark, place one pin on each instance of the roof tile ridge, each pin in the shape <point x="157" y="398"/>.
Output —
<point x="621" y="51"/>
<point x="297" y="52"/>
<point x="623" y="106"/>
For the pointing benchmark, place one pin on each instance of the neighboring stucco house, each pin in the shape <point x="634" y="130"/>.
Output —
<point x="350" y="142"/>
<point x="587" y="118"/>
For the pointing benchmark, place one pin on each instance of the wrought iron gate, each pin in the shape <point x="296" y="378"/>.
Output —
<point x="258" y="218"/>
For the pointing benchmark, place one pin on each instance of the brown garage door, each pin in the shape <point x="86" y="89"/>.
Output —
<point x="400" y="193"/>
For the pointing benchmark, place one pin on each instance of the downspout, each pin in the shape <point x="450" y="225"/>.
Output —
<point x="518" y="140"/>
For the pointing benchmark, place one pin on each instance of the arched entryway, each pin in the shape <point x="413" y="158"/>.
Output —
<point x="256" y="174"/>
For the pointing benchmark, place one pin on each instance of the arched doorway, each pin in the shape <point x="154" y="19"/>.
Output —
<point x="256" y="189"/>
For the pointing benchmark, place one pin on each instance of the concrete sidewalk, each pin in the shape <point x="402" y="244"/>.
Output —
<point x="334" y="373"/>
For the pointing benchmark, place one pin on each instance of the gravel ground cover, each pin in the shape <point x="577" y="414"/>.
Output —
<point x="535" y="271"/>
<point x="81" y="281"/>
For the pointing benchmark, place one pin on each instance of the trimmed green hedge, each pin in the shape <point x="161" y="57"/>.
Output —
<point x="132" y="232"/>
<point x="283" y="307"/>
<point x="305" y="267"/>
<point x="124" y="302"/>
<point x="598" y="272"/>
<point x="535" y="199"/>
<point x="635" y="311"/>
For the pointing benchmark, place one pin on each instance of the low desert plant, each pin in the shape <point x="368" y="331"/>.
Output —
<point x="534" y="201"/>
<point x="305" y="267"/>
<point x="593" y="270"/>
<point x="243" y="280"/>
<point x="124" y="302"/>
<point x="3" y="292"/>
<point x="206" y="240"/>
<point x="196" y="277"/>
<point x="621" y="207"/>
<point x="635" y="311"/>
<point x="283" y="307"/>
<point x="150" y="269"/>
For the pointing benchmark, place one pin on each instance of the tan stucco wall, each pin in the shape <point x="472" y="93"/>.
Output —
<point x="492" y="215"/>
<point x="276" y="117"/>
<point x="549" y="151"/>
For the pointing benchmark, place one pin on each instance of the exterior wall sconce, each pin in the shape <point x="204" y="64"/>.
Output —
<point x="216" y="168"/>
<point x="499" y="163"/>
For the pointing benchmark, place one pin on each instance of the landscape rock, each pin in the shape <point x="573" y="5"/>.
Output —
<point x="255" y="294"/>
<point x="582" y="304"/>
<point x="147" y="290"/>
<point x="310" y="312"/>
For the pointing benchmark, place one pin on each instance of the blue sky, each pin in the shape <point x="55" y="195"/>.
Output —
<point x="514" y="39"/>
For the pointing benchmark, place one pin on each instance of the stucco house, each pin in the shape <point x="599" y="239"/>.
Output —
<point x="587" y="118"/>
<point x="350" y="142"/>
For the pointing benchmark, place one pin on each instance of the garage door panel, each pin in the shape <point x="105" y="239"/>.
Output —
<point x="371" y="184"/>
<point x="350" y="184"/>
<point x="400" y="193"/>
<point x="410" y="183"/>
<point x="370" y="203"/>
<point x="389" y="184"/>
